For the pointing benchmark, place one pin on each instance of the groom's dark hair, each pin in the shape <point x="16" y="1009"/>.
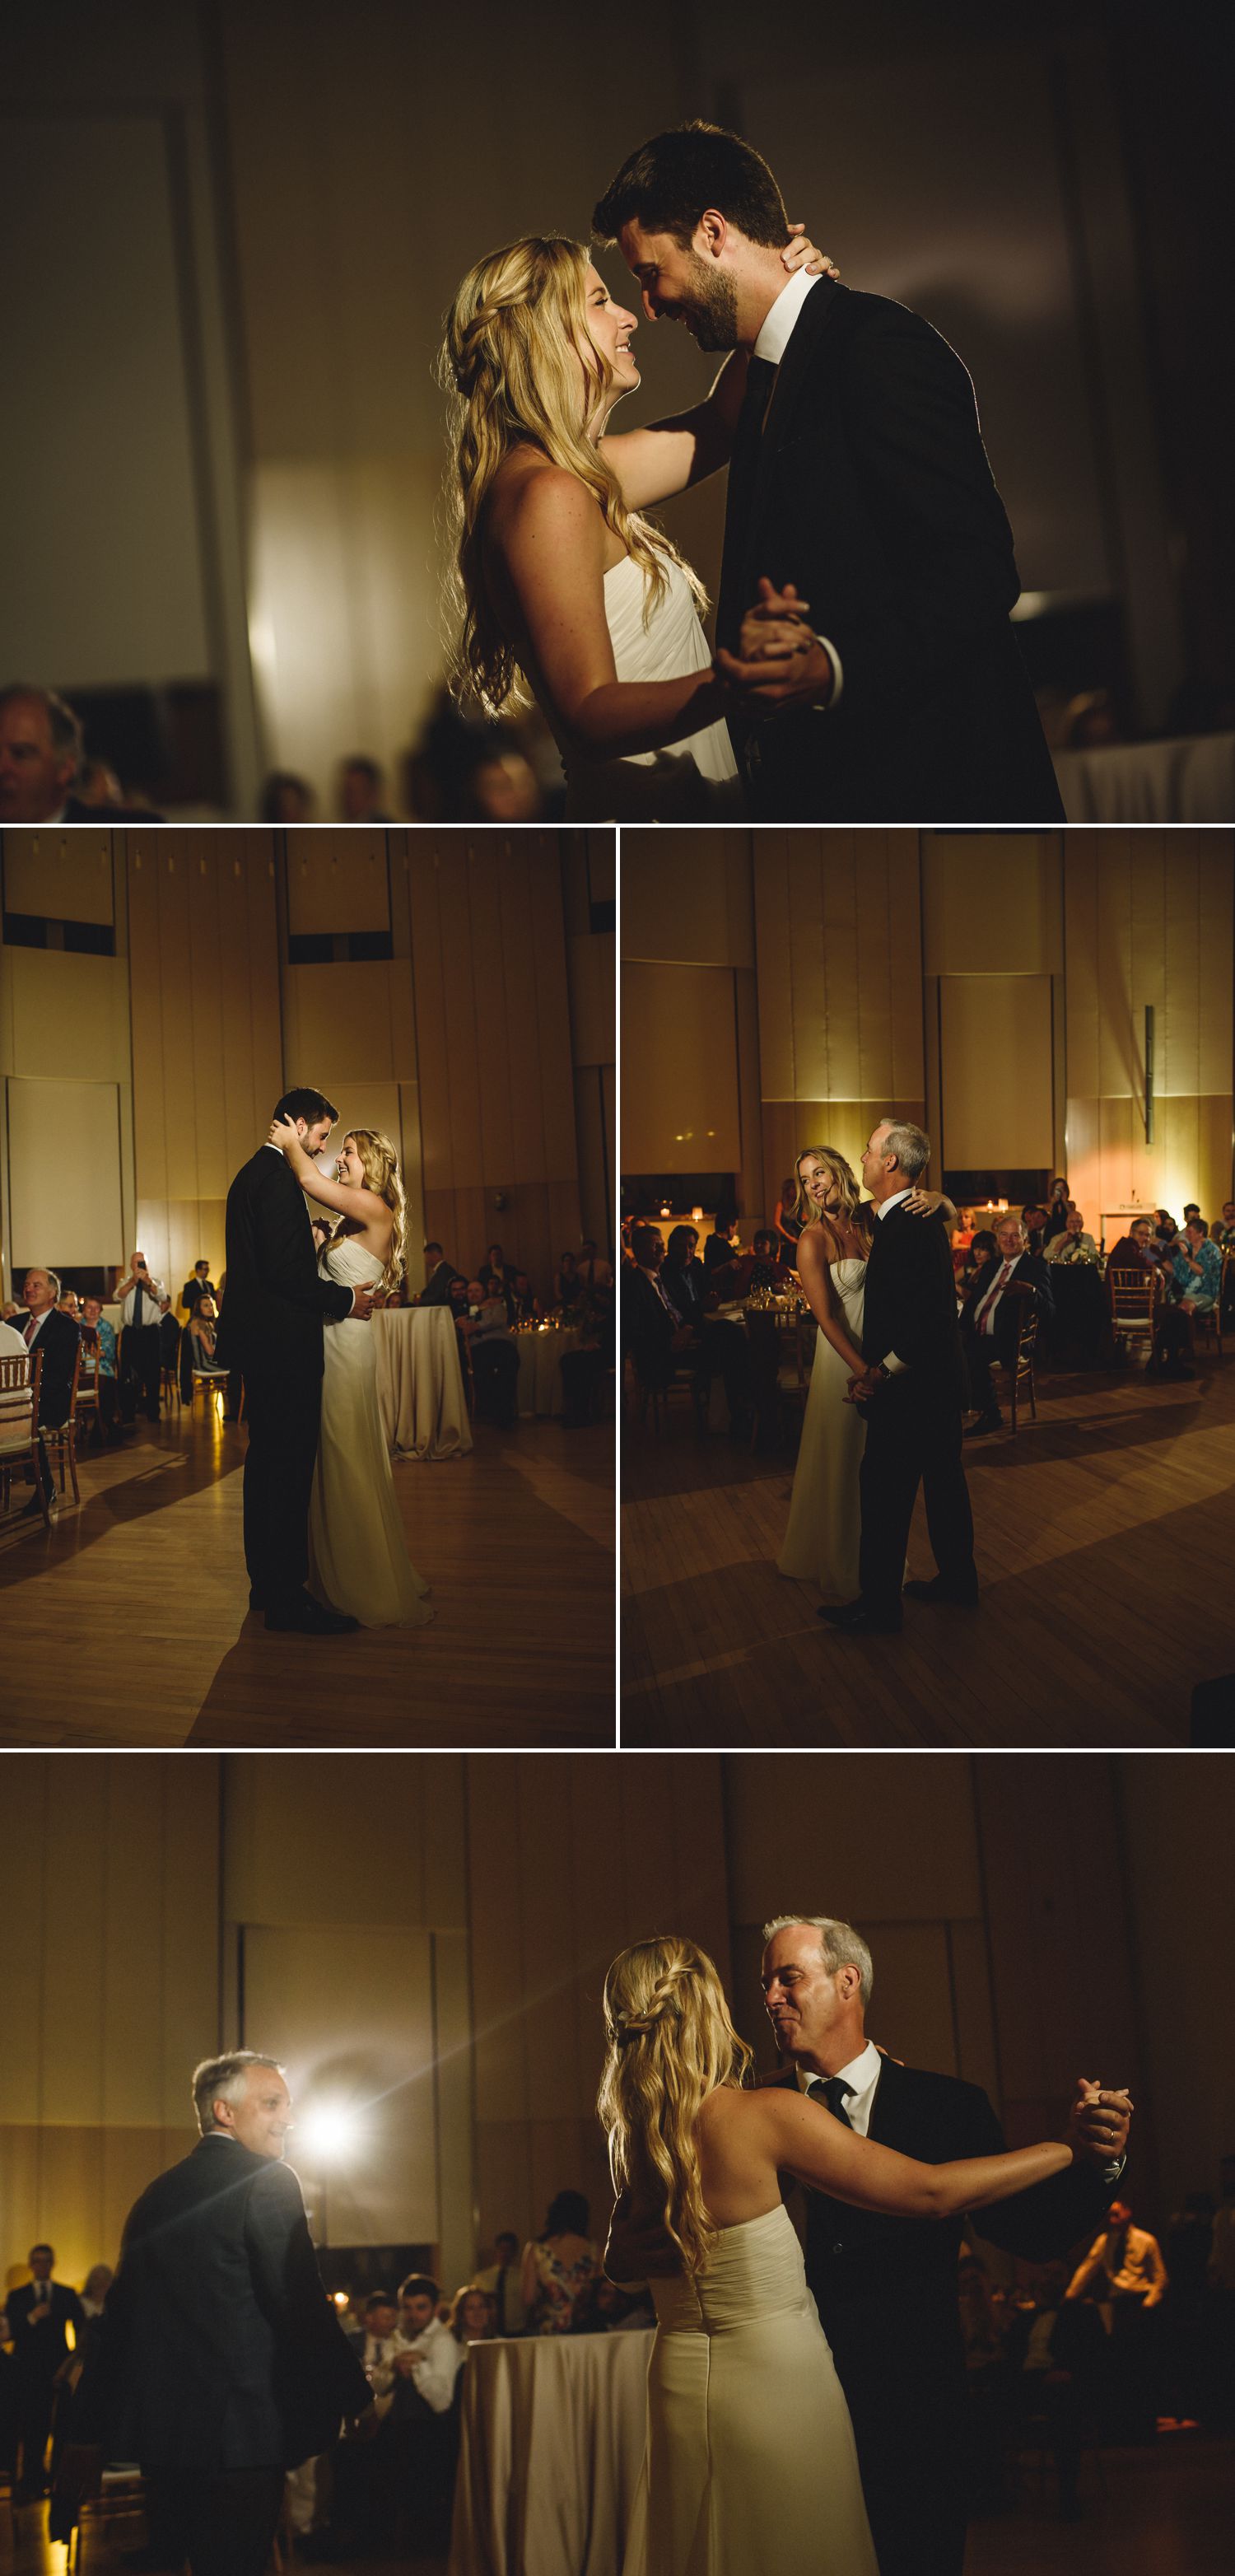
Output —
<point x="670" y="182"/>
<point x="309" y="1105"/>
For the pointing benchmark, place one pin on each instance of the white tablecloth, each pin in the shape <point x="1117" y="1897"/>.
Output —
<point x="552" y="2444"/>
<point x="540" y="1367"/>
<point x="420" y="1382"/>
<point x="1191" y="780"/>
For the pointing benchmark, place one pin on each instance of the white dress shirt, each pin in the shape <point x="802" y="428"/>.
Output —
<point x="443" y="2361"/>
<point x="984" y="1311"/>
<point x="152" y="1290"/>
<point x="862" y="2075"/>
<point x="779" y="324"/>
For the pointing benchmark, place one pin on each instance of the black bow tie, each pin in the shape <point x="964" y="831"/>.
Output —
<point x="831" y="2089"/>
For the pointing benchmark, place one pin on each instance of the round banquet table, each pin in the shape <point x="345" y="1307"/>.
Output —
<point x="551" y="2447"/>
<point x="1188" y="780"/>
<point x="420" y="1382"/>
<point x="541" y="1351"/>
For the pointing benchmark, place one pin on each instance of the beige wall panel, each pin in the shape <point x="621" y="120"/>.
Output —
<point x="997" y="1064"/>
<point x="774" y="962"/>
<point x="911" y="2010"/>
<point x="746" y="1009"/>
<point x="1178" y="1851"/>
<point x="991" y="904"/>
<point x="364" y="2045"/>
<point x="495" y="1869"/>
<point x="295" y="1832"/>
<point x="839" y="956"/>
<point x="64" y="875"/>
<point x="249" y="1076"/>
<point x="504" y="2181"/>
<point x="490" y="1021"/>
<point x="892" y="1842"/>
<point x="688" y="900"/>
<point x="592" y="959"/>
<point x="1063" y="1979"/>
<point x="594" y="1097"/>
<point x="70" y="1015"/>
<point x="679" y="1070"/>
<point x="552" y="1005"/>
<point x="339" y="1024"/>
<point x="425" y="887"/>
<point x="524" y="1059"/>
<point x="336" y="881"/>
<point x="822" y="966"/>
<point x="64" y="1171"/>
<point x="452" y="2004"/>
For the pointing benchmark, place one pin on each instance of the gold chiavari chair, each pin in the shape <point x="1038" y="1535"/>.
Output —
<point x="1136" y="1299"/>
<point x="19" y="1418"/>
<point x="59" y="1439"/>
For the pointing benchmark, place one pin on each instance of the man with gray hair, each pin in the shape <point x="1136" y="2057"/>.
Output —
<point x="40" y="758"/>
<point x="912" y="1390"/>
<point x="221" y="2363"/>
<point x="886" y="2288"/>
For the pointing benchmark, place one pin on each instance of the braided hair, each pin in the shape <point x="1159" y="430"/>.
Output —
<point x="519" y="368"/>
<point x="671" y="2044"/>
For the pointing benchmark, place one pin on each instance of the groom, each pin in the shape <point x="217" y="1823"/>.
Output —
<point x="912" y="1391"/>
<point x="886" y="2288"/>
<point x="273" y="1313"/>
<point x="858" y="475"/>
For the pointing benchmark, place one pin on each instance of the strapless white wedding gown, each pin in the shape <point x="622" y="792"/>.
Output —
<point x="693" y="781"/>
<point x="750" y="2468"/>
<point x="358" y="1559"/>
<point x="825" y="1512"/>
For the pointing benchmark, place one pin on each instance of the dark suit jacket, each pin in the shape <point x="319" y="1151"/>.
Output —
<point x="39" y="2350"/>
<point x="647" y="1328"/>
<point x="76" y="812"/>
<point x="874" y="496"/>
<point x="275" y="1304"/>
<point x="885" y="2287"/>
<point x="1011" y="1310"/>
<point x="59" y="1340"/>
<point x="219" y="2347"/>
<point x="436" y="1291"/>
<point x="910" y="1306"/>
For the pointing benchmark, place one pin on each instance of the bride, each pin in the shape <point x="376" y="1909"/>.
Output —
<point x="750" y="2467"/>
<point x="358" y="1559"/>
<point x="559" y="577"/>
<point x="825" y="1513"/>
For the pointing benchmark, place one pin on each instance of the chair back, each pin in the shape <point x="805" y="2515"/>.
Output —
<point x="19" y="1401"/>
<point x="1136" y="1298"/>
<point x="1026" y="1343"/>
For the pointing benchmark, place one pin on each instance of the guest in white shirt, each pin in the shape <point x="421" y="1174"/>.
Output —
<point x="141" y="1349"/>
<point x="1073" y="1244"/>
<point x="427" y="2358"/>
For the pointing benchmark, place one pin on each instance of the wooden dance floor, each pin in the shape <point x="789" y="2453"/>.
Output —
<point x="130" y="1623"/>
<point x="1105" y="1549"/>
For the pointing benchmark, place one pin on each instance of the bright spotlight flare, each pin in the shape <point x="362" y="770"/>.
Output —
<point x="327" y="2133"/>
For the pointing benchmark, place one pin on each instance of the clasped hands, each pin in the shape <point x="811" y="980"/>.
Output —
<point x="780" y="663"/>
<point x="1098" y="2124"/>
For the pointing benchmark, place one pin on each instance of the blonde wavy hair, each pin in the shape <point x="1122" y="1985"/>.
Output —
<point x="853" y="1206"/>
<point x="671" y="2044"/>
<point x="382" y="1175"/>
<point x="515" y="340"/>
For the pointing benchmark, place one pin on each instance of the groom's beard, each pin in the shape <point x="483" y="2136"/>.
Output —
<point x="710" y="312"/>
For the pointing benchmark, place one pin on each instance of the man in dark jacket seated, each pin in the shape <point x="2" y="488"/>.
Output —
<point x="1018" y="1282"/>
<point x="44" y="1329"/>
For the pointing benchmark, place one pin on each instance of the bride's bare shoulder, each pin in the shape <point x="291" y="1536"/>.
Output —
<point x="531" y="499"/>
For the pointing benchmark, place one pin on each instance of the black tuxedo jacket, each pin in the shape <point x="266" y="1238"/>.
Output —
<point x="275" y="1304"/>
<point x="873" y="494"/>
<point x="39" y="2350"/>
<point x="1010" y="1312"/>
<point x="59" y="1341"/>
<point x="910" y="1307"/>
<point x="436" y="1291"/>
<point x="648" y="1327"/>
<point x="885" y="2287"/>
<point x="219" y="2347"/>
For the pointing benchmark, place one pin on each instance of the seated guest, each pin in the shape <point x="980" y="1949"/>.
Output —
<point x="526" y="1305"/>
<point x="994" y="1312"/>
<point x="758" y="1268"/>
<point x="141" y="1349"/>
<point x="595" y="1272"/>
<point x="41" y="753"/>
<point x="69" y="1305"/>
<point x="202" y="1329"/>
<point x="495" y="1358"/>
<point x="200" y="1285"/>
<point x="470" y="2316"/>
<point x="1222" y="1232"/>
<point x="567" y="1285"/>
<point x="1035" y="1220"/>
<point x="722" y="1244"/>
<point x="1196" y="1270"/>
<point x="362" y="791"/>
<point x="1072" y="1244"/>
<point x="43" y="1329"/>
<point x="1165" y="1228"/>
<point x="1190" y="1210"/>
<point x="1056" y="1212"/>
<point x="653" y="1330"/>
<point x="559" y="2267"/>
<point x="440" y="1275"/>
<point x="98" y="1365"/>
<point x="607" y="2310"/>
<point x="286" y="798"/>
<point x="1132" y="1251"/>
<point x="683" y="1275"/>
<point x="169" y="1334"/>
<point x="721" y="1345"/>
<point x="376" y="2341"/>
<point x="982" y="1251"/>
<point x="1140" y="1250"/>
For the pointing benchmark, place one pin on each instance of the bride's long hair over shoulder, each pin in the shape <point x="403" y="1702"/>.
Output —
<point x="671" y="2043"/>
<point x="383" y="1177"/>
<point x="854" y="1207"/>
<point x="516" y="338"/>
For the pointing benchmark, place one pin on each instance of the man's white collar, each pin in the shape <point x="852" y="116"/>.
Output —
<point x="781" y="318"/>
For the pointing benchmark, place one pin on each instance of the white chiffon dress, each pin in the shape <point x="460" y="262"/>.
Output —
<point x="825" y="1512"/>
<point x="750" y="2467"/>
<point x="358" y="1559"/>
<point x="693" y="781"/>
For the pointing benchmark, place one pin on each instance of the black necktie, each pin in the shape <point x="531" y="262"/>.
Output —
<point x="137" y="1309"/>
<point x="831" y="2089"/>
<point x="743" y="470"/>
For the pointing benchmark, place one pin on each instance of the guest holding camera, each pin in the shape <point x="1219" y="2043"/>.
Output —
<point x="141" y="1347"/>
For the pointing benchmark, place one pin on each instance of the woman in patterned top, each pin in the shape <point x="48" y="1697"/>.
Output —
<point x="559" y="2267"/>
<point x="1196" y="1269"/>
